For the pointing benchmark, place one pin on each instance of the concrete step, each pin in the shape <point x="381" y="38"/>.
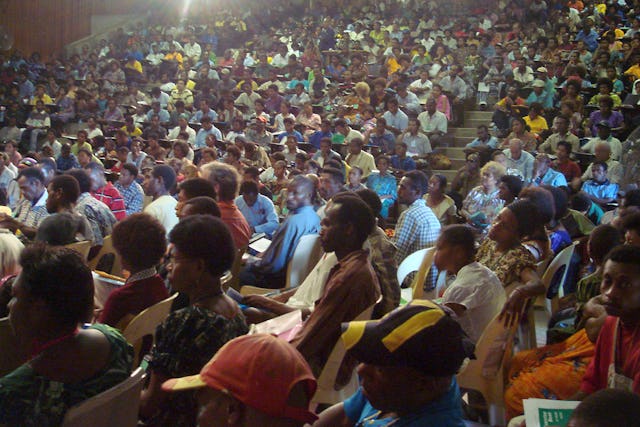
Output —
<point x="454" y="152"/>
<point x="457" y="163"/>
<point x="461" y="141"/>
<point x="474" y="123"/>
<point x="477" y="114"/>
<point x="463" y="131"/>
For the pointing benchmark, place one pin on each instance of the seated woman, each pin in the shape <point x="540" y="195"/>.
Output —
<point x="140" y="240"/>
<point x="537" y="240"/>
<point x="189" y="337"/>
<point x="509" y="188"/>
<point x="559" y="237"/>
<point x="52" y="296"/>
<point x="555" y="371"/>
<point x="504" y="254"/>
<point x="519" y="131"/>
<point x="482" y="204"/>
<point x="10" y="248"/>
<point x="384" y="184"/>
<point x="536" y="122"/>
<point x="442" y="205"/>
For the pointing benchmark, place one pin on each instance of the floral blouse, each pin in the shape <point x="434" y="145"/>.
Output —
<point x="507" y="266"/>
<point x="185" y="342"/>
<point x="482" y="207"/>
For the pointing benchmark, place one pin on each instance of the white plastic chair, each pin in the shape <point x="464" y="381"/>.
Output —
<point x="117" y="406"/>
<point x="107" y="248"/>
<point x="487" y="373"/>
<point x="326" y="392"/>
<point x="82" y="248"/>
<point x="305" y="257"/>
<point x="145" y="323"/>
<point x="562" y="259"/>
<point x="420" y="261"/>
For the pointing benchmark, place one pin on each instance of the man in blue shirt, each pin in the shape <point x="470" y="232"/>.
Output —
<point x="544" y="175"/>
<point x="257" y="209"/>
<point x="588" y="35"/>
<point x="269" y="271"/>
<point x="204" y="111"/>
<point x="400" y="161"/>
<point x="408" y="362"/>
<point x="599" y="189"/>
<point x="324" y="132"/>
<point x="207" y="129"/>
<point x="484" y="139"/>
<point x="289" y="129"/>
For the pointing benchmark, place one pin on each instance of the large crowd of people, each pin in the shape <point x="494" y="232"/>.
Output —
<point x="184" y="139"/>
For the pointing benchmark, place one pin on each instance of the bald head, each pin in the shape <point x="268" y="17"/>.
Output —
<point x="602" y="151"/>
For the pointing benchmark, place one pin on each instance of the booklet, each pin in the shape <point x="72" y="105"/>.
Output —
<point x="548" y="413"/>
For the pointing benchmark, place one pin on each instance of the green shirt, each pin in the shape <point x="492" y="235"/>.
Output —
<point x="30" y="399"/>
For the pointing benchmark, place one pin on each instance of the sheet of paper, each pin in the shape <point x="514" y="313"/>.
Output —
<point x="260" y="245"/>
<point x="548" y="413"/>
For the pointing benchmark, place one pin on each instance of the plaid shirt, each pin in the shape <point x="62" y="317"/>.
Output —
<point x="30" y="214"/>
<point x="417" y="228"/>
<point x="133" y="197"/>
<point x="111" y="197"/>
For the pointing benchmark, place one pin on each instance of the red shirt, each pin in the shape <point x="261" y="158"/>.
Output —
<point x="132" y="298"/>
<point x="110" y="196"/>
<point x="238" y="225"/>
<point x="569" y="169"/>
<point x="628" y="356"/>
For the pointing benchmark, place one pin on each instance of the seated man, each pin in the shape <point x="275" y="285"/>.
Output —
<point x="269" y="270"/>
<point x="614" y="168"/>
<point x="399" y="161"/>
<point x="409" y="383"/>
<point x="104" y="191"/>
<point x="600" y="189"/>
<point x="254" y="380"/>
<point x="617" y="366"/>
<point x="604" y="137"/>
<point x="544" y="175"/>
<point x="476" y="295"/>
<point x="351" y="287"/>
<point x="257" y="209"/>
<point x="31" y="210"/>
<point x="484" y="139"/>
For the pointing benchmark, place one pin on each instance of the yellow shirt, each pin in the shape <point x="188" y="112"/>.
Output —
<point x="135" y="66"/>
<point x="537" y="125"/>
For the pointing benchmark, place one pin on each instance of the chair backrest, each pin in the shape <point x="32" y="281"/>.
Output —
<point x="231" y="279"/>
<point x="418" y="282"/>
<point x="106" y="249"/>
<point x="410" y="264"/>
<point x="326" y="392"/>
<point x="145" y="323"/>
<point x="11" y="357"/>
<point x="82" y="248"/>
<point x="117" y="406"/>
<point x="563" y="259"/>
<point x="306" y="255"/>
<point x="487" y="373"/>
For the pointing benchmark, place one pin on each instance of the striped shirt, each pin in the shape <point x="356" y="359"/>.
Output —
<point x="111" y="197"/>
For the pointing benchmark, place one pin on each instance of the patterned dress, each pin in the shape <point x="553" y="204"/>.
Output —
<point x="185" y="342"/>
<point x="507" y="266"/>
<point x="29" y="399"/>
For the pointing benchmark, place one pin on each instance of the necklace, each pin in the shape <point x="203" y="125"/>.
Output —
<point x="39" y="348"/>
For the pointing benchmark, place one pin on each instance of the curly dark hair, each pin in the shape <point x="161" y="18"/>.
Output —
<point x="59" y="277"/>
<point x="196" y="235"/>
<point x="140" y="240"/>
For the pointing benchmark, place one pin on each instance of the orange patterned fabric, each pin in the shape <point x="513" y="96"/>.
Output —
<point x="550" y="372"/>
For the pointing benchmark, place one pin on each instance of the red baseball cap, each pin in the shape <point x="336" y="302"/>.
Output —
<point x="260" y="371"/>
